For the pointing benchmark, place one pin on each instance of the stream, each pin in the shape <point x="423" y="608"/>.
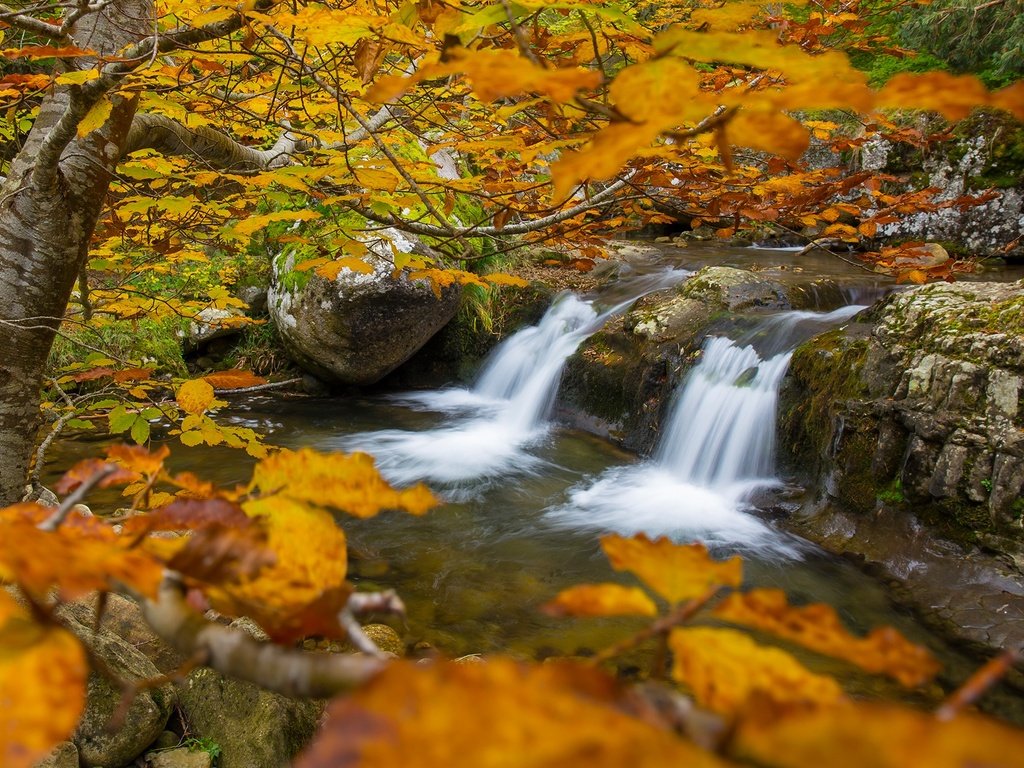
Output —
<point x="527" y="499"/>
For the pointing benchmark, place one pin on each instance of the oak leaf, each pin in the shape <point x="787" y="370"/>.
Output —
<point x="43" y="672"/>
<point x="818" y="628"/>
<point x="677" y="572"/>
<point x="495" y="714"/>
<point x="726" y="671"/>
<point x="601" y="600"/>
<point x="233" y="379"/>
<point x="880" y="735"/>
<point x="346" y="482"/>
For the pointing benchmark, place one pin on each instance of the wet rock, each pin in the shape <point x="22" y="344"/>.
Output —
<point x="147" y="716"/>
<point x="925" y="394"/>
<point x="254" y="728"/>
<point x="359" y="327"/>
<point x="620" y="380"/>
<point x="181" y="757"/>
<point x="64" y="755"/>
<point x="213" y="323"/>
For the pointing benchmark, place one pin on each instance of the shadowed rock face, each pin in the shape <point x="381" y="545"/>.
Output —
<point x="359" y="327"/>
<point x="922" y="404"/>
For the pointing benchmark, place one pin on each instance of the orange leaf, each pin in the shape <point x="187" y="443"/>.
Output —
<point x="601" y="600"/>
<point x="500" y="278"/>
<point x="132" y="374"/>
<point x="677" y="572"/>
<point x="234" y="379"/>
<point x="773" y="132"/>
<point x="817" y="627"/>
<point x="138" y="459"/>
<point x="89" y="468"/>
<point x="496" y="713"/>
<point x="43" y="672"/>
<point x="347" y="482"/>
<point x="880" y="735"/>
<point x="92" y="374"/>
<point x="727" y="670"/>
<point x="953" y="96"/>
<point x="332" y="269"/>
<point x="195" y="396"/>
<point x="1011" y="98"/>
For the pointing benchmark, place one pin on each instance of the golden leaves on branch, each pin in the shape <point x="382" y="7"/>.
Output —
<point x="498" y="713"/>
<point x="43" y="673"/>
<point x="817" y="627"/>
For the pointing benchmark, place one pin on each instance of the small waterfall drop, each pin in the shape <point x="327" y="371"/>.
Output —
<point x="717" y="446"/>
<point x="491" y="426"/>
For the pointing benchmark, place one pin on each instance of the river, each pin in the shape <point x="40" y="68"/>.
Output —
<point x="526" y="498"/>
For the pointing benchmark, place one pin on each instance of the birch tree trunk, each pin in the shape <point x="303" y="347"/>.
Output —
<point x="49" y="206"/>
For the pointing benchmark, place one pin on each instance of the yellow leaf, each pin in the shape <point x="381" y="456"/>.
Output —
<point x="601" y="600"/>
<point x="332" y="269"/>
<point x="78" y="77"/>
<point x="602" y="157"/>
<point x="1011" y="98"/>
<point x="862" y="734"/>
<point x="499" y="278"/>
<point x="255" y="223"/>
<point x="43" y="671"/>
<point x="195" y="396"/>
<point x="818" y="627"/>
<point x="347" y="482"/>
<point x="726" y="670"/>
<point x="95" y="117"/>
<point x="494" y="714"/>
<point x="665" y="90"/>
<point x="677" y="572"/>
<point x="771" y="131"/>
<point x="953" y="96"/>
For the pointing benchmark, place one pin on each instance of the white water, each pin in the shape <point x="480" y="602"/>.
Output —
<point x="717" y="448"/>
<point x="492" y="426"/>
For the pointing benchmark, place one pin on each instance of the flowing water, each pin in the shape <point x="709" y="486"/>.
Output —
<point x="526" y="500"/>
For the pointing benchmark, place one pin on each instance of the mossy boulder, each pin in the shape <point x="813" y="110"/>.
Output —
<point x="919" y="403"/>
<point x="359" y="327"/>
<point x="254" y="728"/>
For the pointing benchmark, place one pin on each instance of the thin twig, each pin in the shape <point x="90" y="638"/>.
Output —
<point x="977" y="684"/>
<point x="75" y="497"/>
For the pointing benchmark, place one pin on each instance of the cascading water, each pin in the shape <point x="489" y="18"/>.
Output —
<point x="505" y="413"/>
<point x="717" y="448"/>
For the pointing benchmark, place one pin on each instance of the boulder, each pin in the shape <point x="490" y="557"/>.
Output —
<point x="359" y="327"/>
<point x="254" y="728"/>
<point x="919" y="404"/>
<point x="64" y="755"/>
<point x="98" y="744"/>
<point x="213" y="323"/>
<point x="620" y="380"/>
<point x="181" y="757"/>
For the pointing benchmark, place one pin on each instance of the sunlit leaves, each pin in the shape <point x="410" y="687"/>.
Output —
<point x="601" y="600"/>
<point x="82" y="555"/>
<point x="490" y="715"/>
<point x="255" y="223"/>
<point x="95" y="117"/>
<point x="677" y="572"/>
<point x="494" y="74"/>
<point x="43" y="673"/>
<point x="880" y="735"/>
<point x="346" y="482"/>
<point x="817" y="627"/>
<point x="726" y="671"/>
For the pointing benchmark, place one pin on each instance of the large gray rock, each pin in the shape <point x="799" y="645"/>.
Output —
<point x="254" y="728"/>
<point x="921" y="403"/>
<point x="620" y="380"/>
<point x="361" y="326"/>
<point x="99" y="741"/>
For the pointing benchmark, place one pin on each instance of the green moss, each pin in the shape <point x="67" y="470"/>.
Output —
<point x="828" y="367"/>
<point x="1004" y="137"/>
<point x="142" y="342"/>
<point x="892" y="493"/>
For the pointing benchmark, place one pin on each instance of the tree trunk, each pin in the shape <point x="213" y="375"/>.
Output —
<point x="49" y="206"/>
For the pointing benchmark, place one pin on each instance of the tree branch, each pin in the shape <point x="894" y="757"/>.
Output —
<point x="217" y="149"/>
<point x="31" y="24"/>
<point x="233" y="653"/>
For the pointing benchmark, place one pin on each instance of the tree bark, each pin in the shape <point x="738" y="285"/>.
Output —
<point x="49" y="206"/>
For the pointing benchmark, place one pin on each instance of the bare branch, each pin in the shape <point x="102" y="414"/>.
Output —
<point x="31" y="24"/>
<point x="52" y="523"/>
<point x="233" y="653"/>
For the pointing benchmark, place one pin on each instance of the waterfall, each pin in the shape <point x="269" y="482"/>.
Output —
<point x="490" y="427"/>
<point x="716" y="449"/>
